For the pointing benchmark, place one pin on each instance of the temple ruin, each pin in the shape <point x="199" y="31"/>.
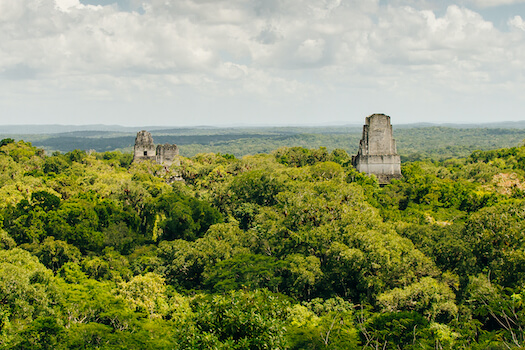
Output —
<point x="377" y="153"/>
<point x="162" y="154"/>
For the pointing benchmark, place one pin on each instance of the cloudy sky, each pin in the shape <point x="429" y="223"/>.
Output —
<point x="260" y="62"/>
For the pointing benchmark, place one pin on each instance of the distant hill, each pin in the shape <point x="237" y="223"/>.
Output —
<point x="414" y="141"/>
<point x="59" y="128"/>
<point x="495" y="125"/>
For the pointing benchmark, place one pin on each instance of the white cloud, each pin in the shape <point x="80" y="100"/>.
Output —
<point x="494" y="3"/>
<point x="11" y="11"/>
<point x="517" y="22"/>
<point x="310" y="50"/>
<point x="266" y="49"/>
<point x="65" y="5"/>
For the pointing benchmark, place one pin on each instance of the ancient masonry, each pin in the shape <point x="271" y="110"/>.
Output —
<point x="377" y="153"/>
<point x="145" y="150"/>
<point x="377" y="150"/>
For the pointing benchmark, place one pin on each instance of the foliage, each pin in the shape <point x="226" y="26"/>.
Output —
<point x="289" y="250"/>
<point x="428" y="297"/>
<point x="323" y="324"/>
<point x="186" y="217"/>
<point x="242" y="320"/>
<point x="408" y="330"/>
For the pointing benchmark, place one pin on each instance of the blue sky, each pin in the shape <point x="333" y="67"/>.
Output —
<point x="260" y="62"/>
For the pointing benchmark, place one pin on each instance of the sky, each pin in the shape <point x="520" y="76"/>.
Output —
<point x="260" y="62"/>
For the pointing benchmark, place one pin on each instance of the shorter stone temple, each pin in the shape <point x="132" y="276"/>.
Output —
<point x="377" y="150"/>
<point x="162" y="154"/>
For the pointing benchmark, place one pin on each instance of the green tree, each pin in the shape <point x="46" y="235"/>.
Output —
<point x="55" y="253"/>
<point x="372" y="262"/>
<point x="241" y="320"/>
<point x="495" y="234"/>
<point x="322" y="324"/>
<point x="6" y="141"/>
<point x="326" y="171"/>
<point x="43" y="333"/>
<point x="251" y="271"/>
<point x="6" y="242"/>
<point x="397" y="330"/>
<point x="86" y="300"/>
<point x="186" y="217"/>
<point x="502" y="310"/>
<point x="45" y="200"/>
<point x="298" y="156"/>
<point x="27" y="291"/>
<point x="257" y="186"/>
<point x="147" y="294"/>
<point x="302" y="275"/>
<point x="55" y="164"/>
<point x="76" y="222"/>
<point x="185" y="261"/>
<point x="428" y="297"/>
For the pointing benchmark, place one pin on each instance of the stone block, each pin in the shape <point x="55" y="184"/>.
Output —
<point x="377" y="152"/>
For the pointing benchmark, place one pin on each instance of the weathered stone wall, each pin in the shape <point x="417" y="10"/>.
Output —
<point x="144" y="147"/>
<point x="162" y="154"/>
<point x="168" y="154"/>
<point x="377" y="150"/>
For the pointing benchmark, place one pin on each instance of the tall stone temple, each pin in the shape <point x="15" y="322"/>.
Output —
<point x="377" y="150"/>
<point x="162" y="154"/>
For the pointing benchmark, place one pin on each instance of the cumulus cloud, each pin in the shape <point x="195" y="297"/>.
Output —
<point x="517" y="22"/>
<point x="494" y="3"/>
<point x="267" y="48"/>
<point x="65" y="5"/>
<point x="310" y="50"/>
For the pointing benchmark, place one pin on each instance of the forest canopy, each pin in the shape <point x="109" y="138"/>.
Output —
<point x="292" y="249"/>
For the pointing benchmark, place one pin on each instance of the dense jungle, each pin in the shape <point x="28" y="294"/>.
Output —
<point x="290" y="249"/>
